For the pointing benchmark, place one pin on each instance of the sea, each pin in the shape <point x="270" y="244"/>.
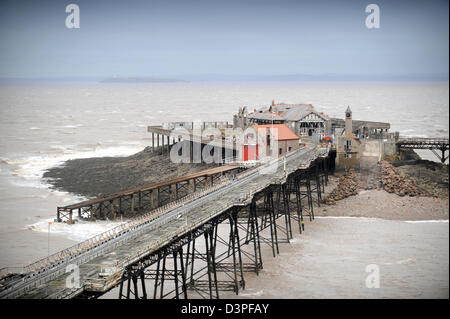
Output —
<point x="42" y="125"/>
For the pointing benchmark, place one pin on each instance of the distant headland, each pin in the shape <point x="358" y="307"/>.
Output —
<point x="139" y="80"/>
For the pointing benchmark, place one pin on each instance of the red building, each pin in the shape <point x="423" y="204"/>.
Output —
<point x="250" y="152"/>
<point x="286" y="138"/>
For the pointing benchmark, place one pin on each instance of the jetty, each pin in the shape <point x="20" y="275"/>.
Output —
<point x="251" y="203"/>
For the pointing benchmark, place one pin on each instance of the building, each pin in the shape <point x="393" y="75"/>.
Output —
<point x="302" y="119"/>
<point x="250" y="152"/>
<point x="286" y="138"/>
<point x="266" y="115"/>
<point x="305" y="120"/>
<point x="347" y="146"/>
<point x="361" y="129"/>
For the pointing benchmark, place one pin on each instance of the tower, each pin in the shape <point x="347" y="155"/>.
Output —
<point x="348" y="121"/>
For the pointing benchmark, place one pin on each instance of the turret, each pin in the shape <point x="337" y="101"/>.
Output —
<point x="348" y="121"/>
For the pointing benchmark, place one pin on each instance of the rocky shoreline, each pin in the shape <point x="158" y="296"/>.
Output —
<point x="101" y="176"/>
<point x="415" y="191"/>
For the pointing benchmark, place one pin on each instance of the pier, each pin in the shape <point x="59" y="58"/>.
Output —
<point x="178" y="247"/>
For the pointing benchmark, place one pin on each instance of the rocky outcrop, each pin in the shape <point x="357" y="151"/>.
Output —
<point x="383" y="176"/>
<point x="101" y="176"/>
<point x="393" y="182"/>
<point x="347" y="186"/>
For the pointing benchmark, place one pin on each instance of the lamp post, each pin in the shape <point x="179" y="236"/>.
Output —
<point x="271" y="133"/>
<point x="48" y="241"/>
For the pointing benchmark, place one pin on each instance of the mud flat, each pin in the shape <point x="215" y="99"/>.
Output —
<point x="100" y="176"/>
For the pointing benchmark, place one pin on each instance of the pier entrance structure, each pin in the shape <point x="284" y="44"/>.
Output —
<point x="433" y="144"/>
<point x="200" y="245"/>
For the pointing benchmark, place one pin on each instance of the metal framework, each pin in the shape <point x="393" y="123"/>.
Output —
<point x="214" y="257"/>
<point x="433" y="144"/>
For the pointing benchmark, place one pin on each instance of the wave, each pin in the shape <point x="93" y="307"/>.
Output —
<point x="414" y="135"/>
<point x="71" y="126"/>
<point x="32" y="168"/>
<point x="79" y="231"/>
<point x="400" y="262"/>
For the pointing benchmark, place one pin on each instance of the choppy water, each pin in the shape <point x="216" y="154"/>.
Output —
<point x="42" y="125"/>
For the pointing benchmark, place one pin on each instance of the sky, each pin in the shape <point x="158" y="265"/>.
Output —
<point x="230" y="37"/>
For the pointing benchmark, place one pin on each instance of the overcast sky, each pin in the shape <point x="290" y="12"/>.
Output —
<point x="258" y="37"/>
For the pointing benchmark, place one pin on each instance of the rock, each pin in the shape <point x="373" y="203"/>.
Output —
<point x="346" y="187"/>
<point x="393" y="182"/>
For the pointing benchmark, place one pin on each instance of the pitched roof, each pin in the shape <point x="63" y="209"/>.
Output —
<point x="298" y="112"/>
<point x="284" y="132"/>
<point x="288" y="112"/>
<point x="265" y="116"/>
